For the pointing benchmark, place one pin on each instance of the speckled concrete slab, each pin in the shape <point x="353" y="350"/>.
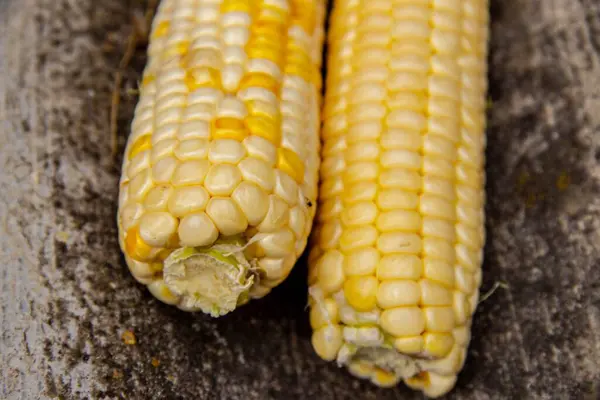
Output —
<point x="66" y="296"/>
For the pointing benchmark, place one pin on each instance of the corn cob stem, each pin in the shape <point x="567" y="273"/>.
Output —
<point x="395" y="262"/>
<point x="221" y="166"/>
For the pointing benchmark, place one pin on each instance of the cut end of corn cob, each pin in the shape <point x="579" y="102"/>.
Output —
<point x="213" y="280"/>
<point x="395" y="262"/>
<point x="221" y="167"/>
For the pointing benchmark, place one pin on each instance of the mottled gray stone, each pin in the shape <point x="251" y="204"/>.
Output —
<point x="66" y="295"/>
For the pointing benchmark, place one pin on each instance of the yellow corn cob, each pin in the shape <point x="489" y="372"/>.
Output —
<point x="395" y="262"/>
<point x="219" y="177"/>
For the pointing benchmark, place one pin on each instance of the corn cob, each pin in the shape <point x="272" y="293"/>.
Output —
<point x="220" y="170"/>
<point x="396" y="252"/>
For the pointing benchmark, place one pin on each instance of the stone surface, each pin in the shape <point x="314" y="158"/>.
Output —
<point x="66" y="296"/>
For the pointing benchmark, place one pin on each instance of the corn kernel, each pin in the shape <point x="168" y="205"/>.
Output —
<point x="361" y="292"/>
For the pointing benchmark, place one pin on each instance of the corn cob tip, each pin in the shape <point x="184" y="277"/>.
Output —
<point x="214" y="280"/>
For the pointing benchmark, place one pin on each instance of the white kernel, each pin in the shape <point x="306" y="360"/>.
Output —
<point x="187" y="199"/>
<point x="130" y="215"/>
<point x="197" y="230"/>
<point x="234" y="55"/>
<point x="156" y="228"/>
<point x="277" y="215"/>
<point x="158" y="198"/>
<point x="193" y="148"/>
<point x="162" y="149"/>
<point x="235" y="18"/>
<point x="252" y="200"/>
<point x="367" y="336"/>
<point x="232" y="107"/>
<point x="190" y="172"/>
<point x="264" y="66"/>
<point x="163" y="170"/>
<point x="140" y="185"/>
<point x="194" y="129"/>
<point x="298" y="221"/>
<point x="259" y="172"/>
<point x="227" y="151"/>
<point x="258" y="93"/>
<point x="222" y="179"/>
<point x="138" y="163"/>
<point x="236" y="36"/>
<point x="231" y="75"/>
<point x="286" y="187"/>
<point x="227" y="216"/>
<point x="277" y="244"/>
<point x="207" y="96"/>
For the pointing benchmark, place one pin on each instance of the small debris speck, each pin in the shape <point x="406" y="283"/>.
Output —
<point x="62" y="236"/>
<point x="171" y="379"/>
<point x="117" y="374"/>
<point x="128" y="337"/>
<point x="155" y="362"/>
<point x="563" y="181"/>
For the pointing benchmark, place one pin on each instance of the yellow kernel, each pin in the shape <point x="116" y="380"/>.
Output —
<point x="399" y="220"/>
<point x="440" y="272"/>
<point x="142" y="143"/>
<point x="433" y="294"/>
<point x="361" y="262"/>
<point x="261" y="80"/>
<point x="304" y="14"/>
<point x="395" y="293"/>
<point x="330" y="233"/>
<point x="361" y="369"/>
<point x="327" y="341"/>
<point x="278" y="215"/>
<point x="385" y="379"/>
<point x="252" y="200"/>
<point x="419" y="381"/>
<point x="229" y="128"/>
<point x="360" y="191"/>
<point x="324" y="313"/>
<point x="399" y="242"/>
<point x="267" y="52"/>
<point x="244" y="6"/>
<point x="439" y="319"/>
<point x="159" y="289"/>
<point x="357" y="237"/>
<point x="359" y="214"/>
<point x="437" y="345"/>
<point x="290" y="163"/>
<point x="265" y="128"/>
<point x="330" y="271"/>
<point x="135" y="247"/>
<point x="361" y="292"/>
<point x="161" y="29"/>
<point x="148" y="79"/>
<point x="399" y="266"/>
<point x="403" y="321"/>
<point x="409" y="344"/>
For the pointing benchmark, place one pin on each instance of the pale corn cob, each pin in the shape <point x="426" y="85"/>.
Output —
<point x="220" y="171"/>
<point x="396" y="253"/>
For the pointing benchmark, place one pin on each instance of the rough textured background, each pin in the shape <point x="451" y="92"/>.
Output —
<point x="66" y="296"/>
